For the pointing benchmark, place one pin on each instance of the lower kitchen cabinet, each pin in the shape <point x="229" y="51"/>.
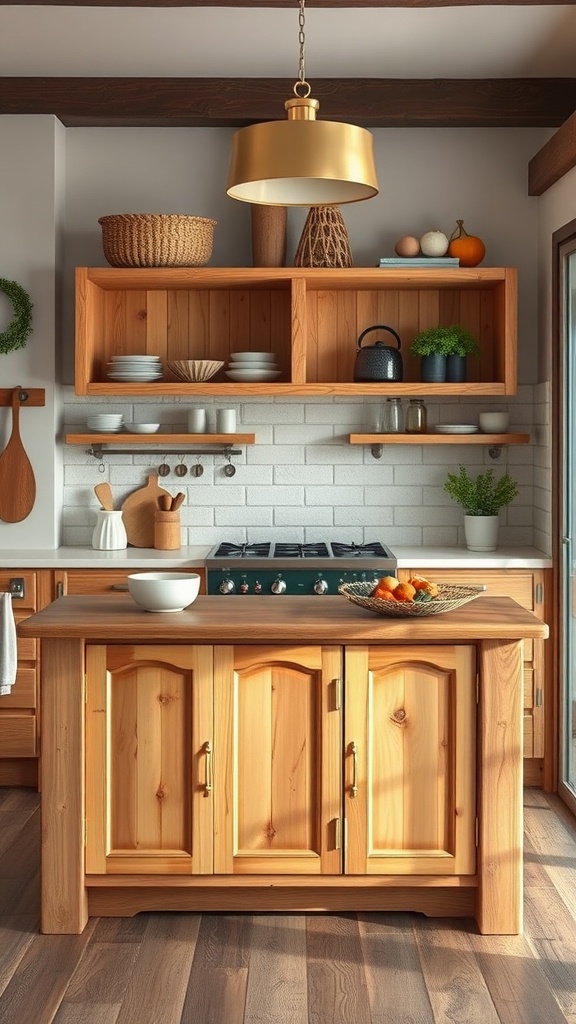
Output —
<point x="106" y="581"/>
<point x="20" y="709"/>
<point x="263" y="761"/>
<point x="527" y="587"/>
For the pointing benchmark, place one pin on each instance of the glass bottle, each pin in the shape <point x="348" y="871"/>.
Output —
<point x="416" y="417"/>
<point x="393" y="418"/>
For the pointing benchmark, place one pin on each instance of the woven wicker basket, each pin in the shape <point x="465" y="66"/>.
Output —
<point x="449" y="598"/>
<point x="156" y="240"/>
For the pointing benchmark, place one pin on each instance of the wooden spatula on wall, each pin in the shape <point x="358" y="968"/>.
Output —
<point x="17" y="481"/>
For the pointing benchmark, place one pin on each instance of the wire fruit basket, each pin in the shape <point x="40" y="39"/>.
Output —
<point x="449" y="598"/>
<point x="157" y="239"/>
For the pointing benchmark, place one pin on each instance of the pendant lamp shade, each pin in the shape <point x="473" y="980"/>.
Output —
<point x="302" y="161"/>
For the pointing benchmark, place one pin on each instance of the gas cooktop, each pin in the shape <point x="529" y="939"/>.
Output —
<point x="291" y="568"/>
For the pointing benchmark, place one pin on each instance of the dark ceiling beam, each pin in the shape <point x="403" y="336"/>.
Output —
<point x="287" y="3"/>
<point x="554" y="160"/>
<point x="234" y="102"/>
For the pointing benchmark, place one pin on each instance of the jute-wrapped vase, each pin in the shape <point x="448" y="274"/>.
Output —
<point x="268" y="235"/>
<point x="324" y="241"/>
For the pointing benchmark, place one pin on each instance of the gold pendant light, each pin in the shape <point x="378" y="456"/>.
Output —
<point x="302" y="161"/>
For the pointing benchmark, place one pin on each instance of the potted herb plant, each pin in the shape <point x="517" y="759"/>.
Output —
<point x="443" y="350"/>
<point x="481" y="497"/>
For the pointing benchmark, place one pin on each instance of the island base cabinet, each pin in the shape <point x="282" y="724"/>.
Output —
<point x="410" y="760"/>
<point x="149" y="724"/>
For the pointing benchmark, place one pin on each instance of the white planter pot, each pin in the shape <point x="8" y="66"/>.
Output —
<point x="481" y="532"/>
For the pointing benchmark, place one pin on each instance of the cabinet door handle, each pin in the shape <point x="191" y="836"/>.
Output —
<point x="118" y="586"/>
<point x="354" y="752"/>
<point x="208" y="783"/>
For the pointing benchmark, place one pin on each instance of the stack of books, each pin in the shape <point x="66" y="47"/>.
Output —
<point x="420" y="261"/>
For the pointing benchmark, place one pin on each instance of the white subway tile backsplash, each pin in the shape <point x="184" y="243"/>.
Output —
<point x="303" y="481"/>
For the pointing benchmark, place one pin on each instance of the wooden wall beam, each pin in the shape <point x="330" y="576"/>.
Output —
<point x="234" y="102"/>
<point x="556" y="158"/>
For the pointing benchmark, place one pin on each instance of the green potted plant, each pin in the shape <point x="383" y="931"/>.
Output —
<point x="443" y="350"/>
<point x="481" y="497"/>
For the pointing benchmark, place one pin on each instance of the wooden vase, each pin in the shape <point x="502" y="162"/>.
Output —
<point x="268" y="235"/>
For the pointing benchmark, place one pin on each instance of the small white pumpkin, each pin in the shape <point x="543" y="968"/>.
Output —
<point x="434" y="243"/>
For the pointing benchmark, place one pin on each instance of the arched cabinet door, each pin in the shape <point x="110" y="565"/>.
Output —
<point x="277" y="760"/>
<point x="148" y="748"/>
<point x="410" y="760"/>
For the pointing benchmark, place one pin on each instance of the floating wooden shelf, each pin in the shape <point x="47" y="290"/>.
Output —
<point x="160" y="440"/>
<point x="486" y="439"/>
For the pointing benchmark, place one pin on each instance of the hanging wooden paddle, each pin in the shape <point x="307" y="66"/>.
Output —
<point x="17" y="483"/>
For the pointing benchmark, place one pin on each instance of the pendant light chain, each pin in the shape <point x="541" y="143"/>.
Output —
<point x="302" y="87"/>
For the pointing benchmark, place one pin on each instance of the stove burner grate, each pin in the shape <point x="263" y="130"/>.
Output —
<point x="285" y="550"/>
<point x="372" y="550"/>
<point x="243" y="550"/>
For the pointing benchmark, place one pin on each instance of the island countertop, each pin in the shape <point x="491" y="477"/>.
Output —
<point x="253" y="619"/>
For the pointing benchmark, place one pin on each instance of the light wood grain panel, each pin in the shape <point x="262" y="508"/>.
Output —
<point x="303" y="330"/>
<point x="64" y="901"/>
<point x="344" y="355"/>
<point x="157" y="323"/>
<point x="23" y="692"/>
<point x="149" y="715"/>
<point x="174" y="332"/>
<point x="500" y="760"/>
<point x="18" y="735"/>
<point x="240" y="321"/>
<point x="198" y="327"/>
<point x="219" y="332"/>
<point x="328" y="338"/>
<point x="260" y="317"/>
<point x="415" y="761"/>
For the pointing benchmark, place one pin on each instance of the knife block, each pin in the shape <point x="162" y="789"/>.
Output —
<point x="166" y="530"/>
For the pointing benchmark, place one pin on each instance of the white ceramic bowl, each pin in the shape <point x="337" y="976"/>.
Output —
<point x="253" y="357"/>
<point x="141" y="428"/>
<point x="494" y="422"/>
<point x="164" y="591"/>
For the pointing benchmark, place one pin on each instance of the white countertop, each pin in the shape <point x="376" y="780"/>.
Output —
<point x="408" y="558"/>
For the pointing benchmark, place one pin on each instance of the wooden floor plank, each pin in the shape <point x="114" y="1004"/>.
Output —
<point x="396" y="987"/>
<point x="38" y="984"/>
<point x="277" y="985"/>
<point x="219" y="975"/>
<point x="515" y="980"/>
<point x="551" y="933"/>
<point x="337" y="986"/>
<point x="456" y="986"/>
<point x="157" y="985"/>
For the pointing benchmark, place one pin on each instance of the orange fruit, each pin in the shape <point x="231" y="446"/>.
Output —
<point x="404" y="592"/>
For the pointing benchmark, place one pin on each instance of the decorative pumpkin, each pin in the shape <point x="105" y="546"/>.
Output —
<point x="469" y="249"/>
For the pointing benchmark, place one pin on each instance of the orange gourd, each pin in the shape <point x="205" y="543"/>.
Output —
<point x="469" y="249"/>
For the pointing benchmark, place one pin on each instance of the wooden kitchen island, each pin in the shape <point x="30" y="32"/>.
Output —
<point x="287" y="754"/>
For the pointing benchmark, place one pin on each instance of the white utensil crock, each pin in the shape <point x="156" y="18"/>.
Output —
<point x="109" y="532"/>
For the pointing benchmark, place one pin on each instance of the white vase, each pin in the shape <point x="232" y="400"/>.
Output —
<point x="481" y="532"/>
<point x="109" y="532"/>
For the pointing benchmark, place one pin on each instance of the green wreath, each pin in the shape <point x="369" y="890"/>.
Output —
<point x="18" y="330"/>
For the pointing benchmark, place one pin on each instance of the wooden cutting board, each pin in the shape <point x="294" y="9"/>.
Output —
<point x="138" y="513"/>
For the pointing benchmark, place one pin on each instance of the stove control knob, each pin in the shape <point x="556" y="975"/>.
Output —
<point x="320" y="587"/>
<point x="257" y="587"/>
<point x="278" y="586"/>
<point x="244" y="588"/>
<point x="227" y="587"/>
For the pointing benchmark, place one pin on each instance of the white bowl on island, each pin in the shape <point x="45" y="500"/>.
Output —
<point x="164" y="591"/>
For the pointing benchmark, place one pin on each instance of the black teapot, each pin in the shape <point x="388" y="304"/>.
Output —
<point x="378" y="362"/>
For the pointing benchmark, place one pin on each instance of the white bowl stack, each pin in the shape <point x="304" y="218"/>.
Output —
<point x="135" y="369"/>
<point x="105" y="423"/>
<point x="250" y="367"/>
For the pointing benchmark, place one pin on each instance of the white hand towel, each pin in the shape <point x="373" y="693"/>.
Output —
<point x="8" y="655"/>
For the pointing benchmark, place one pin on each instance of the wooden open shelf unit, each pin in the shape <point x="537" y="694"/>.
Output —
<point x="310" y="318"/>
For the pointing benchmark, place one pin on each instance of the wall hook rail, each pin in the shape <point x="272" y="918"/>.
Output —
<point x="98" y="451"/>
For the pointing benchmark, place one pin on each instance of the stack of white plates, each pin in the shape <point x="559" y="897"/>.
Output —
<point x="134" y="368"/>
<point x="105" y="423"/>
<point x="247" y="367"/>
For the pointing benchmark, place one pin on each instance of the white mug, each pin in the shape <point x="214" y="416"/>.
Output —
<point x="225" y="421"/>
<point x="197" y="421"/>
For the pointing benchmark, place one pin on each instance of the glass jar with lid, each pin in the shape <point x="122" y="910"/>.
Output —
<point x="393" y="416"/>
<point x="416" y="417"/>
